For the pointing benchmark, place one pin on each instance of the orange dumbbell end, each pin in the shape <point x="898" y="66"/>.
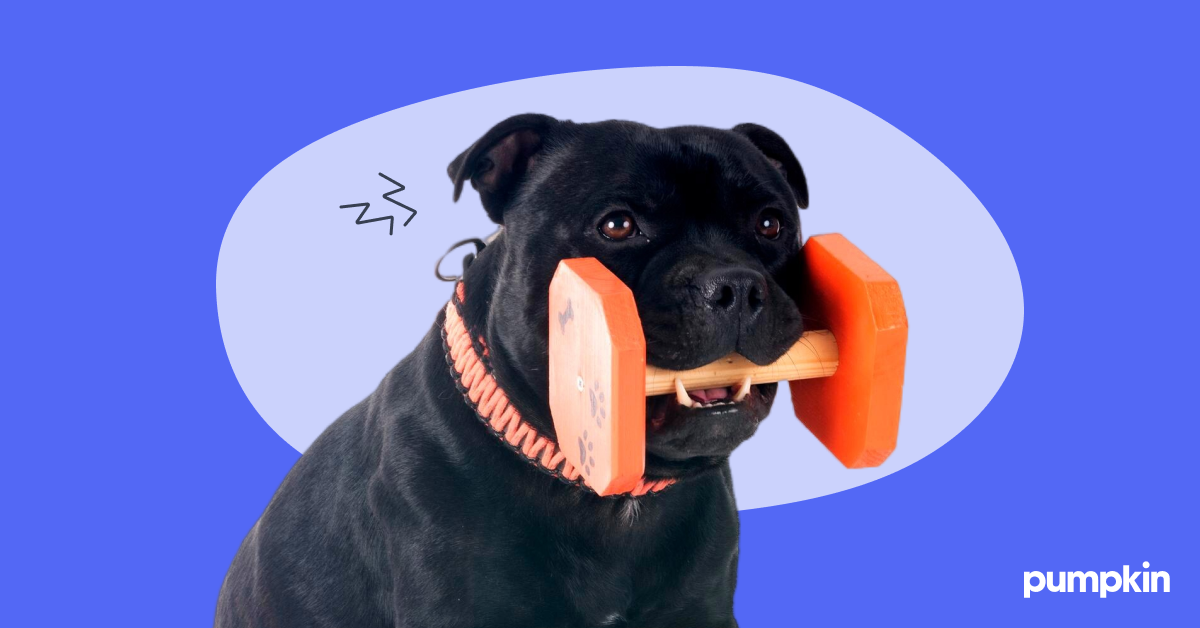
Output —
<point x="598" y="375"/>
<point x="856" y="411"/>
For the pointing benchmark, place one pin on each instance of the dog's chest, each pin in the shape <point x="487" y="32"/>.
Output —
<point x="566" y="574"/>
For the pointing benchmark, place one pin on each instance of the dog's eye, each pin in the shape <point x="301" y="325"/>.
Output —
<point x="618" y="226"/>
<point x="769" y="225"/>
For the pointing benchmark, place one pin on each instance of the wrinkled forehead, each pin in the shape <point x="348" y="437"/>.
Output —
<point x="658" y="168"/>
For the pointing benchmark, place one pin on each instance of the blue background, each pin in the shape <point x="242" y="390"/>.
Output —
<point x="133" y="464"/>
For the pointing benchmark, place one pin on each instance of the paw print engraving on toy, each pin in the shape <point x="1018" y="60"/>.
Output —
<point x="596" y="396"/>
<point x="585" y="459"/>
<point x="598" y="412"/>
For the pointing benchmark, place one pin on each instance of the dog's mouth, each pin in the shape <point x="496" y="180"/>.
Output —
<point x="687" y="403"/>
<point x="705" y="422"/>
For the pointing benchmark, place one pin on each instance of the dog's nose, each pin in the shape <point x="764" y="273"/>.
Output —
<point x="735" y="292"/>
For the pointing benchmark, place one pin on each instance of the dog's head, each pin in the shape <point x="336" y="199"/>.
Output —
<point x="702" y="225"/>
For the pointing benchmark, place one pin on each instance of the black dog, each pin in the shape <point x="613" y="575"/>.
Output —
<point x="409" y="511"/>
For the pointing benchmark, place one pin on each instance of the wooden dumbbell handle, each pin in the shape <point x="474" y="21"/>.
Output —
<point x="814" y="355"/>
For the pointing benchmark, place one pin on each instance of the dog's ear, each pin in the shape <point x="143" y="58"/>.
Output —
<point x="780" y="155"/>
<point x="497" y="162"/>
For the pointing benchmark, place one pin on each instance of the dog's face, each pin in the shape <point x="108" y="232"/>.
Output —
<point x="702" y="225"/>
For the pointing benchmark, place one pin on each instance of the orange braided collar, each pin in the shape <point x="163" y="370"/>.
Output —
<point x="490" y="403"/>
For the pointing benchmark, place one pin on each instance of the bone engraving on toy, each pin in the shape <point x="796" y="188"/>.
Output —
<point x="565" y="317"/>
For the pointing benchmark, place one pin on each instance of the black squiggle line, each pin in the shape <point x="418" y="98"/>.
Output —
<point x="399" y="188"/>
<point x="366" y="206"/>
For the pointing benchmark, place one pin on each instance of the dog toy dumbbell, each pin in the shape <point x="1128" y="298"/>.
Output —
<point x="846" y="380"/>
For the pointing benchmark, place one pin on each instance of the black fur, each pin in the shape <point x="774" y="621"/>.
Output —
<point x="408" y="512"/>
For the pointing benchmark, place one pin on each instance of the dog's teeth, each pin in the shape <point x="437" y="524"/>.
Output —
<point x="744" y="390"/>
<point x="681" y="394"/>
